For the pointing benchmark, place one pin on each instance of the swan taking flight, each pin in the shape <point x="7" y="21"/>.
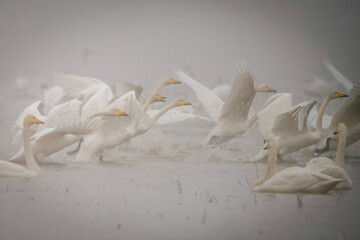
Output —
<point x="231" y="115"/>
<point x="293" y="179"/>
<point x="291" y="127"/>
<point x="334" y="169"/>
<point x="65" y="127"/>
<point x="9" y="169"/>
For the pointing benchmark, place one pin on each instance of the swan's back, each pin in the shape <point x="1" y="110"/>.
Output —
<point x="297" y="179"/>
<point x="327" y="166"/>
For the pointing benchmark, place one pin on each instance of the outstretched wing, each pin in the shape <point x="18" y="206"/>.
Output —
<point x="237" y="105"/>
<point x="210" y="101"/>
<point x="294" y="121"/>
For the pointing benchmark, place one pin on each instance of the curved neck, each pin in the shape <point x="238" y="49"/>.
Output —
<point x="99" y="114"/>
<point x="321" y="113"/>
<point x="159" y="87"/>
<point x="29" y="156"/>
<point x="148" y="102"/>
<point x="271" y="167"/>
<point x="163" y="110"/>
<point x="340" y="152"/>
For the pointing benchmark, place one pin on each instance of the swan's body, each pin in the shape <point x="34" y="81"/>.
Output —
<point x="95" y="145"/>
<point x="291" y="127"/>
<point x="9" y="169"/>
<point x="293" y="179"/>
<point x="231" y="115"/>
<point x="65" y="127"/>
<point x="335" y="169"/>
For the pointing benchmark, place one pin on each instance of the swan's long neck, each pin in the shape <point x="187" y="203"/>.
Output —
<point x="29" y="156"/>
<point x="321" y="113"/>
<point x="159" y="87"/>
<point x="99" y="114"/>
<point x="163" y="110"/>
<point x="148" y="102"/>
<point x="271" y="167"/>
<point x="340" y="152"/>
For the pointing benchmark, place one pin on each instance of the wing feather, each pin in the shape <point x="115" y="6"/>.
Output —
<point x="294" y="121"/>
<point x="210" y="101"/>
<point x="237" y="105"/>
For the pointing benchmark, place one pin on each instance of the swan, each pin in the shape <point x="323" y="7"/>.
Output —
<point x="65" y="127"/>
<point x="211" y="102"/>
<point x="264" y="118"/>
<point x="349" y="114"/>
<point x="334" y="169"/>
<point x="291" y="127"/>
<point x="9" y="169"/>
<point x="96" y="145"/>
<point x="231" y="116"/>
<point x="293" y="179"/>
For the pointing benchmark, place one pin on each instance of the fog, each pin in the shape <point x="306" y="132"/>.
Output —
<point x="283" y="42"/>
<point x="160" y="185"/>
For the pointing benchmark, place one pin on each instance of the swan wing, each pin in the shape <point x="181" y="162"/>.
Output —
<point x="294" y="121"/>
<point x="338" y="76"/>
<point x="73" y="85"/>
<point x="52" y="97"/>
<point x="210" y="101"/>
<point x="237" y="105"/>
<point x="121" y="88"/>
<point x="349" y="112"/>
<point x="130" y="105"/>
<point x="274" y="106"/>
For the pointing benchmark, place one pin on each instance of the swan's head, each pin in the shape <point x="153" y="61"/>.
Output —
<point x="264" y="88"/>
<point x="341" y="128"/>
<point x="117" y="112"/>
<point x="31" y="119"/>
<point x="158" y="98"/>
<point x="169" y="81"/>
<point x="181" y="102"/>
<point x="336" y="94"/>
<point x="270" y="143"/>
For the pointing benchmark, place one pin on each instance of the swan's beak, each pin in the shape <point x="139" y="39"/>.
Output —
<point x="270" y="89"/>
<point x="38" y="121"/>
<point x="161" y="98"/>
<point x="121" y="113"/>
<point x="265" y="148"/>
<point x="174" y="81"/>
<point x="336" y="132"/>
<point x="341" y="94"/>
<point x="185" y="102"/>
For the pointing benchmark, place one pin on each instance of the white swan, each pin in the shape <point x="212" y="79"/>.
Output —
<point x="334" y="169"/>
<point x="291" y="127"/>
<point x="112" y="135"/>
<point x="293" y="179"/>
<point x="231" y="115"/>
<point x="213" y="104"/>
<point x="65" y="127"/>
<point x="349" y="114"/>
<point x="9" y="169"/>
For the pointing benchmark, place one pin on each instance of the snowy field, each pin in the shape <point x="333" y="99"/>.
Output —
<point x="164" y="186"/>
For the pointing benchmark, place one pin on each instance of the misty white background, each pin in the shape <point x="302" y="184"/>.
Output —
<point x="282" y="41"/>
